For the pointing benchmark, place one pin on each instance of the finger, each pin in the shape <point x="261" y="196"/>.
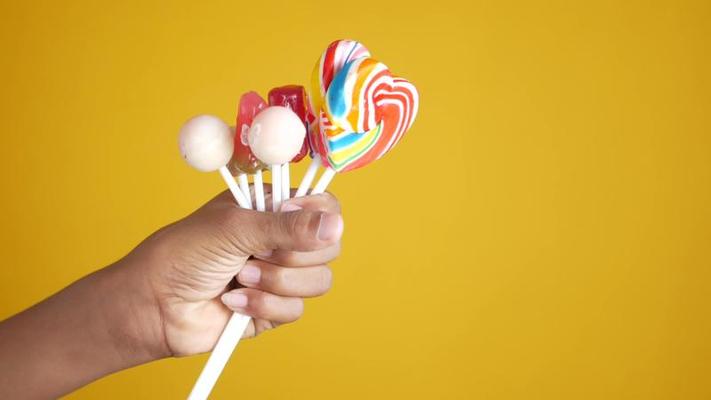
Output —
<point x="300" y="230"/>
<point x="259" y="304"/>
<point x="249" y="232"/>
<point x="292" y="282"/>
<point x="304" y="258"/>
<point x="258" y="326"/>
<point x="325" y="202"/>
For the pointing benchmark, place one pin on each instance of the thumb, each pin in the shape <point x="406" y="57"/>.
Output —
<point x="293" y="229"/>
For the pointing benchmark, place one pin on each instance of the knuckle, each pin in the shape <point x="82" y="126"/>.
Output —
<point x="288" y="258"/>
<point x="277" y="279"/>
<point x="236" y="225"/>
<point x="258" y="303"/>
<point x="300" y="225"/>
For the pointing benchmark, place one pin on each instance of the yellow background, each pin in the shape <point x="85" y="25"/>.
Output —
<point x="543" y="232"/>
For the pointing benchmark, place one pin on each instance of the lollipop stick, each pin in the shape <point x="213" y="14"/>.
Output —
<point x="276" y="187"/>
<point x="220" y="355"/>
<point x="234" y="188"/>
<point x="323" y="182"/>
<point x="309" y="176"/>
<point x="259" y="190"/>
<point x="244" y="186"/>
<point x="285" y="184"/>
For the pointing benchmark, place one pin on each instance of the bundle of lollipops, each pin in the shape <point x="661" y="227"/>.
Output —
<point x="357" y="111"/>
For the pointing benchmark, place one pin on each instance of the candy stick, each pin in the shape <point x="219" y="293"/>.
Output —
<point x="323" y="182"/>
<point x="275" y="137"/>
<point x="309" y="176"/>
<point x="276" y="186"/>
<point x="285" y="184"/>
<point x="244" y="186"/>
<point x="224" y="348"/>
<point x="259" y="190"/>
<point x="234" y="188"/>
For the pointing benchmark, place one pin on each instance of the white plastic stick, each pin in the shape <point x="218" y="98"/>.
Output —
<point x="259" y="190"/>
<point x="234" y="188"/>
<point x="276" y="187"/>
<point x="285" y="183"/>
<point x="309" y="176"/>
<point x="244" y="186"/>
<point x="220" y="355"/>
<point x="323" y="182"/>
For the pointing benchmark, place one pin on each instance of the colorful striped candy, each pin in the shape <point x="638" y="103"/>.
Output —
<point x="332" y="60"/>
<point x="364" y="110"/>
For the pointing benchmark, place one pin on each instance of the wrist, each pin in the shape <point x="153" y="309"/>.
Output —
<point x="131" y="313"/>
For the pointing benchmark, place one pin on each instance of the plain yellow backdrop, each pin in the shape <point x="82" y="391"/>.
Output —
<point x="543" y="232"/>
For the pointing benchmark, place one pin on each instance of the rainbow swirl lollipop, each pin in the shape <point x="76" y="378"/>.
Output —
<point x="363" y="109"/>
<point x="367" y="113"/>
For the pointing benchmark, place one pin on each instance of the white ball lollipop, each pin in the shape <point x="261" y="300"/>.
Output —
<point x="276" y="137"/>
<point x="206" y="143"/>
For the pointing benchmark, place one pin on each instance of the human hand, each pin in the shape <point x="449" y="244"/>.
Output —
<point x="188" y="268"/>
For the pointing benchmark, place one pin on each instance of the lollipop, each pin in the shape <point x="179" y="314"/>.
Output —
<point x="363" y="111"/>
<point x="206" y="144"/>
<point x="337" y="54"/>
<point x="294" y="98"/>
<point x="276" y="137"/>
<point x="243" y="162"/>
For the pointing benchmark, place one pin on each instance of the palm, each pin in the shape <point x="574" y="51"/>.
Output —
<point x="190" y="288"/>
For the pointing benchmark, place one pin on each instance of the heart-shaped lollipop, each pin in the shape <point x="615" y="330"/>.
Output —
<point x="363" y="109"/>
<point x="332" y="60"/>
<point x="367" y="111"/>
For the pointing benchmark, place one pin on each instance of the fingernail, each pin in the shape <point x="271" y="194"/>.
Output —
<point x="249" y="274"/>
<point x="286" y="207"/>
<point x="330" y="227"/>
<point x="234" y="300"/>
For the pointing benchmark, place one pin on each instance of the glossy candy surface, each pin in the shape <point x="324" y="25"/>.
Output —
<point x="243" y="160"/>
<point x="293" y="97"/>
<point x="364" y="110"/>
<point x="205" y="142"/>
<point x="276" y="135"/>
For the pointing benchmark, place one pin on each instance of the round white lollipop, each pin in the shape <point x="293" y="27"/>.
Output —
<point x="206" y="143"/>
<point x="275" y="137"/>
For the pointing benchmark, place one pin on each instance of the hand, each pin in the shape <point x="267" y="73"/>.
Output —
<point x="165" y="297"/>
<point x="189" y="268"/>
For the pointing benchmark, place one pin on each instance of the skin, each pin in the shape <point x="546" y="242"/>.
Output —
<point x="173" y="294"/>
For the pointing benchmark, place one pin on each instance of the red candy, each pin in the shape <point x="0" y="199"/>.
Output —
<point x="243" y="161"/>
<point x="293" y="97"/>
